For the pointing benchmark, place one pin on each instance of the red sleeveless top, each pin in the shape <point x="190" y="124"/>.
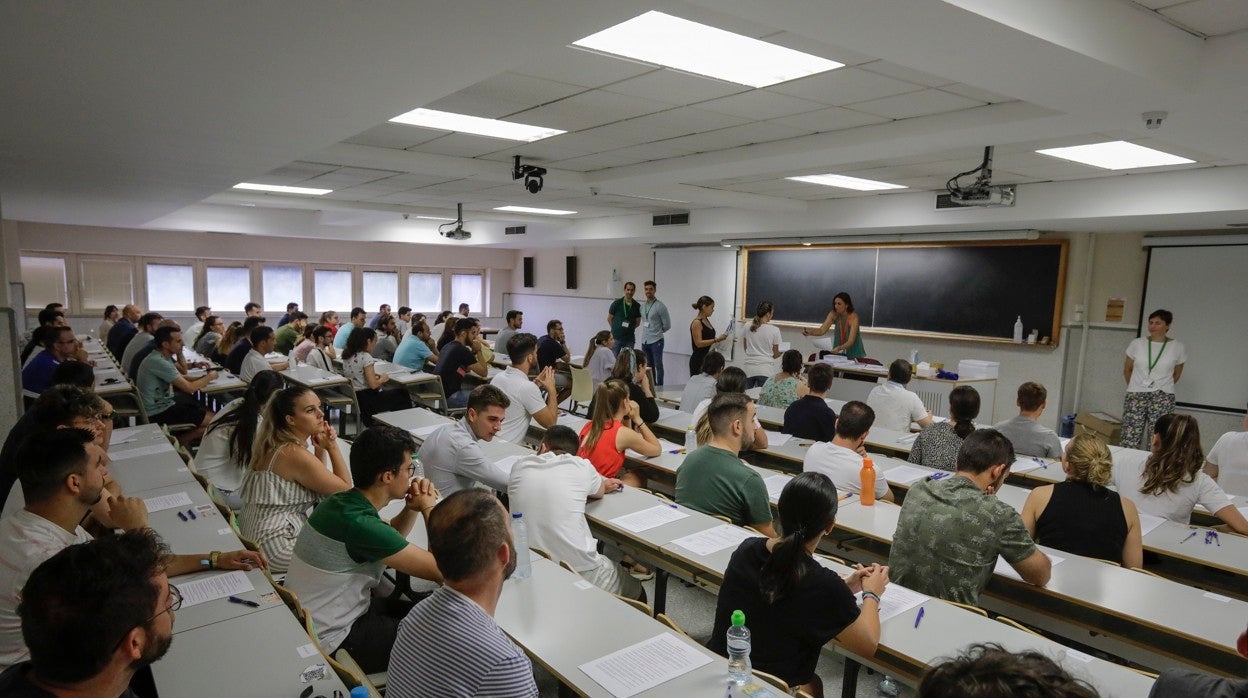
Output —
<point x="606" y="459"/>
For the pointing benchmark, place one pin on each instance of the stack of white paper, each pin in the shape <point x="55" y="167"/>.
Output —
<point x="775" y="484"/>
<point x="1148" y="522"/>
<point x="643" y="666"/>
<point x="217" y="586"/>
<point x="905" y="474"/>
<point x="713" y="540"/>
<point x="897" y="600"/>
<point x="647" y="519"/>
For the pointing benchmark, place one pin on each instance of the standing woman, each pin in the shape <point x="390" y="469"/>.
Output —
<point x="284" y="480"/>
<point x="848" y="340"/>
<point x="702" y="334"/>
<point x="357" y="364"/>
<point x="762" y="346"/>
<point x="111" y="313"/>
<point x="1152" y="367"/>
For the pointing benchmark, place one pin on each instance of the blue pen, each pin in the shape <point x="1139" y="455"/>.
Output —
<point x="191" y="513"/>
<point x="1040" y="462"/>
<point x="1189" y="537"/>
<point x="919" y="618"/>
<point x="183" y="517"/>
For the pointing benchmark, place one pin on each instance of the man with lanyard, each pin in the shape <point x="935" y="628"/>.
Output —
<point x="623" y="317"/>
<point x="655" y="322"/>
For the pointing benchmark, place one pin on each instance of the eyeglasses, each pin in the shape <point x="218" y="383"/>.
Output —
<point x="175" y="602"/>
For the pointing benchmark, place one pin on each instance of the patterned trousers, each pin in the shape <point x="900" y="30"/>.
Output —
<point x="1140" y="411"/>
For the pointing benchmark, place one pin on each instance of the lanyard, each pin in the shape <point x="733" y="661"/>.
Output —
<point x="648" y="308"/>
<point x="842" y="327"/>
<point x="1151" y="362"/>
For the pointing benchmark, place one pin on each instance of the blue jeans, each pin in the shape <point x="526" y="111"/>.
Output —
<point x="458" y="399"/>
<point x="755" y="382"/>
<point x="654" y="357"/>
<point x="621" y="346"/>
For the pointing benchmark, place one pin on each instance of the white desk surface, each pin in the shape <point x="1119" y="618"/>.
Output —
<point x="312" y="376"/>
<point x="412" y="418"/>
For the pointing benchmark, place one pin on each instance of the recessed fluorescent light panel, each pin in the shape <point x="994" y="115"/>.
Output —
<point x="835" y="180"/>
<point x="678" y="43"/>
<point x="1115" y="155"/>
<point x="281" y="189"/>
<point x="529" y="209"/>
<point x="462" y="123"/>
<point x="433" y="218"/>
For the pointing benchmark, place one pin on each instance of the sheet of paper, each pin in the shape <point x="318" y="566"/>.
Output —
<point x="775" y="483"/>
<point x="571" y="421"/>
<point x="905" y="474"/>
<point x="423" y="433"/>
<point x="167" y="501"/>
<point x="664" y="444"/>
<point x="1004" y="568"/>
<point x="897" y="600"/>
<point x="1027" y="463"/>
<point x="643" y="666"/>
<point x="647" y="519"/>
<point x="908" y="439"/>
<point x="121" y="437"/>
<point x="506" y="462"/>
<point x="161" y="446"/>
<point x="775" y="438"/>
<point x="667" y="412"/>
<point x="1148" y="522"/>
<point x="713" y="540"/>
<point x="217" y="586"/>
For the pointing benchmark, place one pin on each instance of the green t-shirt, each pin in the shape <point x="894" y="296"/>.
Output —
<point x="287" y="337"/>
<point x="949" y="536"/>
<point x="714" y="481"/>
<point x="624" y="320"/>
<point x="156" y="376"/>
<point x="349" y="518"/>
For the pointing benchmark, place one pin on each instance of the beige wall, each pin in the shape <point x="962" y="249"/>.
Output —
<point x="594" y="266"/>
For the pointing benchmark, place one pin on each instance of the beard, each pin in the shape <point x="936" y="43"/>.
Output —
<point x="153" y="652"/>
<point x="511" y="562"/>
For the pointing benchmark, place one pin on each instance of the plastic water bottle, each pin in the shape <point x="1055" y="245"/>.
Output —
<point x="691" y="439"/>
<point x="738" y="650"/>
<point x="888" y="688"/>
<point x="1018" y="330"/>
<point x="520" y="532"/>
<point x="418" y="469"/>
<point x="867" y="478"/>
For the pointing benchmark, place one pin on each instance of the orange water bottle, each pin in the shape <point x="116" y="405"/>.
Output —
<point x="868" y="482"/>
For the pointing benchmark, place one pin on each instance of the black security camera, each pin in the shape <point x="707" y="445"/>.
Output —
<point x="532" y="175"/>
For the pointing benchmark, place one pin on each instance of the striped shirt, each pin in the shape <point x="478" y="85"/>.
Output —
<point x="274" y="511"/>
<point x="449" y="647"/>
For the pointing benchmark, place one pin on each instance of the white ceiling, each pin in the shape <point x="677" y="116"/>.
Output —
<point x="146" y="116"/>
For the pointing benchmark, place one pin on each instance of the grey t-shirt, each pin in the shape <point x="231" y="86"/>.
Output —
<point x="1030" y="438"/>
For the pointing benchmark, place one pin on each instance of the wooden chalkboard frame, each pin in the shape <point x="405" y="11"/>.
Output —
<point x="1059" y="295"/>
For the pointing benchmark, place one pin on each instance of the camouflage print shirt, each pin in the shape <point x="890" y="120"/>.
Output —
<point x="948" y="538"/>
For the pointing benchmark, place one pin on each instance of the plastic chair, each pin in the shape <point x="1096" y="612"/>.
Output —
<point x="568" y="566"/>
<point x="639" y="605"/>
<point x="541" y="552"/>
<point x="667" y="620"/>
<point x="1015" y="624"/>
<point x="833" y="558"/>
<point x="582" y="388"/>
<point x="773" y="681"/>
<point x="968" y="607"/>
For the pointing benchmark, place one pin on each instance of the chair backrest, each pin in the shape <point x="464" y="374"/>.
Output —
<point x="1015" y="624"/>
<point x="568" y="566"/>
<point x="640" y="606"/>
<point x="582" y="384"/>
<point x="541" y="552"/>
<point x="345" y="674"/>
<point x="972" y="609"/>
<point x="721" y="517"/>
<point x="772" y="680"/>
<point x="667" y="620"/>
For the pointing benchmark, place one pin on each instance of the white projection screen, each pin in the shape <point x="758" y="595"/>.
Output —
<point x="1206" y="288"/>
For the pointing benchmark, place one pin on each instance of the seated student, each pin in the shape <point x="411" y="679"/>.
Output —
<point x="811" y="417"/>
<point x="1170" y="483"/>
<point x="37" y="375"/>
<point x="415" y="351"/>
<point x="614" y="427"/>
<point x="403" y="321"/>
<point x="318" y="348"/>
<point x="49" y="319"/>
<point x="600" y="357"/>
<point x="383" y="312"/>
<point x="1177" y="682"/>
<point x="62" y="474"/>
<point x="147" y="328"/>
<point x="525" y="394"/>
<point x="157" y="381"/>
<point x="951" y="531"/>
<point x="638" y="381"/>
<point x="990" y="671"/>
<point x="714" y="480"/>
<point x="841" y="458"/>
<point x="452" y="457"/>
<point x="252" y="309"/>
<point x="794" y="606"/>
<point x="289" y="334"/>
<point x="242" y="346"/>
<point x="284" y="480"/>
<point x="1029" y="437"/>
<point x="124" y="330"/>
<point x="357" y="364"/>
<point x="1230" y="456"/>
<point x="731" y="380"/>
<point x="463" y="354"/>
<point x="895" y="407"/>
<point x="263" y="342"/>
<point x="387" y="339"/>
<point x="201" y="317"/>
<point x="225" y="451"/>
<point x="552" y="351"/>
<point x="1081" y="515"/>
<point x="179" y="358"/>
<point x="89" y="633"/>
<point x="470" y="538"/>
<point x="702" y="386"/>
<point x="111" y="314"/>
<point x="229" y="338"/>
<point x="329" y="319"/>
<point x="550" y="489"/>
<point x="787" y="386"/>
<point x="341" y="552"/>
<point x="205" y="343"/>
<point x="288" y="316"/>
<point x="358" y="318"/>
<point x="448" y="332"/>
<point x="938" y="444"/>
<point x="515" y="320"/>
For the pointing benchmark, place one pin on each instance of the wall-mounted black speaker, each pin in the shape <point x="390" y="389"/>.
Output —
<point x="572" y="271"/>
<point x="528" y="272"/>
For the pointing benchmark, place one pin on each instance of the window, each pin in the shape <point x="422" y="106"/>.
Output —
<point x="105" y="282"/>
<point x="170" y="287"/>
<point x="281" y="285"/>
<point x="229" y="288"/>
<point x="332" y="290"/>
<point x="424" y="292"/>
<point x="44" y="278"/>
<point x="380" y="287"/>
<point x="466" y="288"/>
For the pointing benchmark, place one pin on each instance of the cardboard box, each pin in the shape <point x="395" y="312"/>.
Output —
<point x="1106" y="426"/>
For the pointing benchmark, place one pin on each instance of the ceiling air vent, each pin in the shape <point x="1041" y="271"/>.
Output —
<point x="672" y="219"/>
<point x="514" y="230"/>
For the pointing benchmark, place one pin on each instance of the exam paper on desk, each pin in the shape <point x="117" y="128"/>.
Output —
<point x="905" y="474"/>
<point x="643" y="666"/>
<point x="167" y="501"/>
<point x="896" y="600"/>
<point x="713" y="540"/>
<point x="647" y="519"/>
<point x="665" y="446"/>
<point x="775" y="438"/>
<point x="161" y="446"/>
<point x="1148" y="522"/>
<point x="217" y="586"/>
<point x="1004" y="568"/>
<point x="775" y="484"/>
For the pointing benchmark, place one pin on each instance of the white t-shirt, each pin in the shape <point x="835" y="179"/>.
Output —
<point x="842" y="466"/>
<point x="26" y="540"/>
<point x="895" y="407"/>
<point x="526" y="399"/>
<point x="1168" y="355"/>
<point x="550" y="490"/>
<point x="354" y="368"/>
<point x="253" y="363"/>
<point x="1176" y="506"/>
<point x="1230" y="454"/>
<point x="760" y="349"/>
<point x="700" y="387"/>
<point x="213" y="458"/>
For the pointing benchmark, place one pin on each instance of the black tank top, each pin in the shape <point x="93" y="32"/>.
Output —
<point x="699" y="353"/>
<point x="1083" y="519"/>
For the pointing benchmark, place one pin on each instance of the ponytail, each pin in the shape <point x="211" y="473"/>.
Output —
<point x="600" y="338"/>
<point x="762" y="309"/>
<point x="963" y="408"/>
<point x="807" y="508"/>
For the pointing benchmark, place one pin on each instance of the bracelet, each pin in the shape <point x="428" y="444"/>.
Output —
<point x="213" y="558"/>
<point x="870" y="595"/>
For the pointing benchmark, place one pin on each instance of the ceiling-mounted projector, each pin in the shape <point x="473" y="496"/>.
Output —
<point x="455" y="231"/>
<point x="979" y="193"/>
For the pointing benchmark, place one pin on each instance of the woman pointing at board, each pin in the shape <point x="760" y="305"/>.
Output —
<point x="848" y="340"/>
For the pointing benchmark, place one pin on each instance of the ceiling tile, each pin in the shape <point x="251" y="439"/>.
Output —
<point x="464" y="145"/>
<point x="830" y="119"/>
<point x="398" y="136"/>
<point x="625" y="156"/>
<point x="588" y="109"/>
<point x="818" y="48"/>
<point x="1211" y="17"/>
<point x="476" y="104"/>
<point x="457" y="186"/>
<point x="757" y="132"/>
<point x="293" y="173"/>
<point x="923" y="103"/>
<point x="574" y="66"/>
<point x="523" y="89"/>
<point x="1158" y="4"/>
<point x="675" y="87"/>
<point x="759" y="105"/>
<point x="976" y="93"/>
<point x="672" y="123"/>
<point x="561" y="147"/>
<point x="347" y="177"/>
<point x="844" y="86"/>
<point x="901" y="72"/>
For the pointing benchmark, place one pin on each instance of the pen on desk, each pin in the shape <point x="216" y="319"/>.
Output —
<point x="183" y="517"/>
<point x="245" y="602"/>
<point x="919" y="618"/>
<point x="191" y="513"/>
<point x="1189" y="537"/>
